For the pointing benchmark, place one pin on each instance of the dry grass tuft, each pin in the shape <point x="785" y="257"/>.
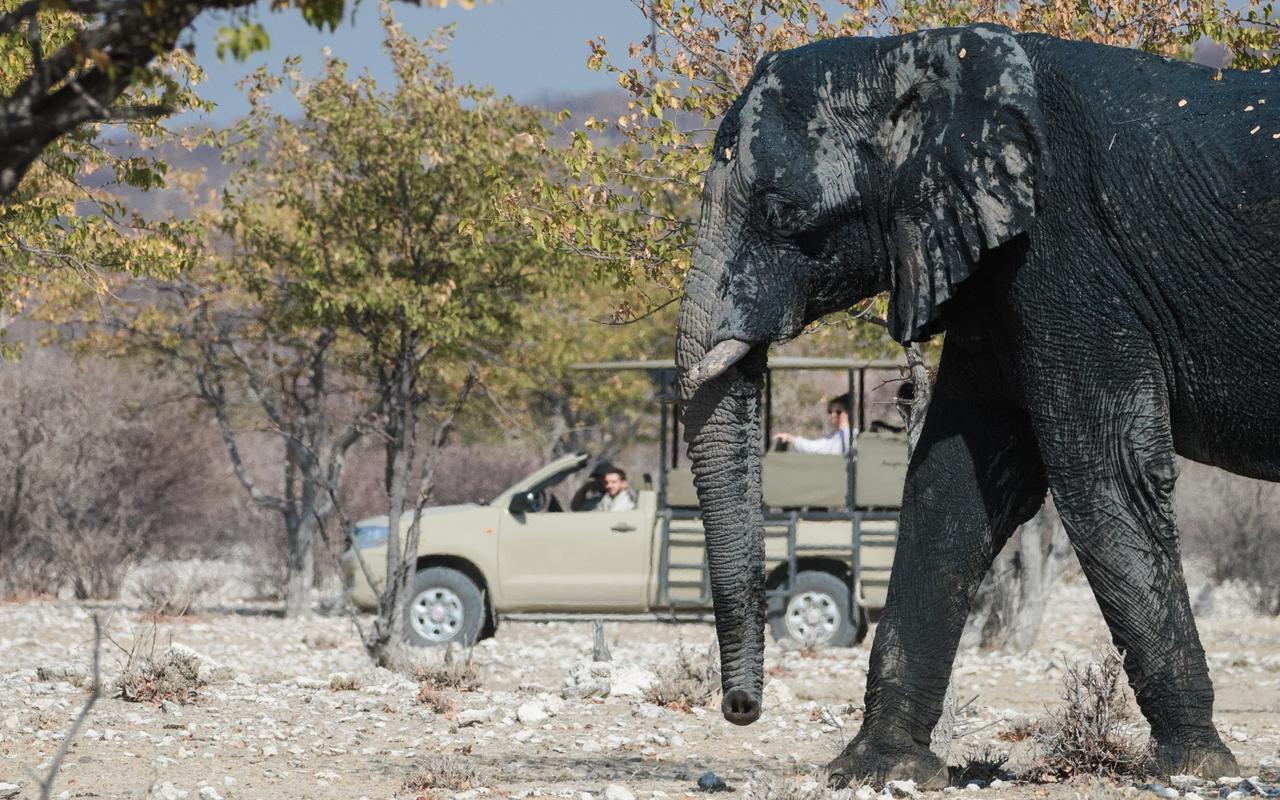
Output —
<point x="787" y="786"/>
<point x="1090" y="733"/>
<point x="683" y="684"/>
<point x="1020" y="730"/>
<point x="452" y="673"/>
<point x="442" y="773"/>
<point x="435" y="700"/>
<point x="343" y="682"/>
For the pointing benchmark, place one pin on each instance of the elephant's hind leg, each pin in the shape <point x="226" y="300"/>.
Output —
<point x="1110" y="463"/>
<point x="974" y="477"/>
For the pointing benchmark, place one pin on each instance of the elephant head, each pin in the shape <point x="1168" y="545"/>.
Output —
<point x="845" y="168"/>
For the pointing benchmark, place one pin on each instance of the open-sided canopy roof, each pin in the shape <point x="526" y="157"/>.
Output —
<point x="775" y="362"/>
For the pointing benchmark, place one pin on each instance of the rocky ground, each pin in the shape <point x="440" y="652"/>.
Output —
<point x="293" y="710"/>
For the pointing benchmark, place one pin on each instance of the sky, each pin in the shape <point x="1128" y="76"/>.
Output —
<point x="530" y="49"/>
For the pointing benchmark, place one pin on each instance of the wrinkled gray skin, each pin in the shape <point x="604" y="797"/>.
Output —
<point x="1097" y="231"/>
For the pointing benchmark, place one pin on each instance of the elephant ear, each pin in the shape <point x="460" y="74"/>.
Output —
<point x="965" y="147"/>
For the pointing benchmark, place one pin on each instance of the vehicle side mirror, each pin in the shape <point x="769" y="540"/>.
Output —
<point x="524" y="502"/>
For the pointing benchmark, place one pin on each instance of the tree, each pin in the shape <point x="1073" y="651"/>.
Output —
<point x="72" y="63"/>
<point x="392" y="239"/>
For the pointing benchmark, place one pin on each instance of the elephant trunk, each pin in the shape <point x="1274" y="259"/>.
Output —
<point x="721" y="383"/>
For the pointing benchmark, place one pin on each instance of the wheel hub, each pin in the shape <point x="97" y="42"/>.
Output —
<point x="812" y="617"/>
<point x="436" y="614"/>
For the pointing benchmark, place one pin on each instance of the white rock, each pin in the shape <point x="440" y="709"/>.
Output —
<point x="778" y="695"/>
<point x="1239" y="735"/>
<point x="902" y="788"/>
<point x="531" y="713"/>
<point x="474" y="716"/>
<point x="1167" y="792"/>
<point x="209" y="793"/>
<point x="864" y="793"/>
<point x="631" y="681"/>
<point x="8" y="790"/>
<point x="616" y="791"/>
<point x="588" y="679"/>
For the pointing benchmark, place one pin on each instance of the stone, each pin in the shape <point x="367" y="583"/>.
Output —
<point x="475" y="716"/>
<point x="8" y="790"/>
<point x="616" y="791"/>
<point x="710" y="782"/>
<point x="209" y="793"/>
<point x="631" y="681"/>
<point x="778" y="695"/>
<point x="902" y="788"/>
<point x="531" y="713"/>
<point x="588" y="679"/>
<point x="867" y="793"/>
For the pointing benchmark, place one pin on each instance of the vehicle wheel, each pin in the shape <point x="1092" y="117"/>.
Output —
<point x="444" y="606"/>
<point x="817" y="612"/>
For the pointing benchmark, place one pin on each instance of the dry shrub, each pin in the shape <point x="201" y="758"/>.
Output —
<point x="173" y="676"/>
<point x="435" y="700"/>
<point x="167" y="591"/>
<point x="443" y="773"/>
<point x="343" y="682"/>
<point x="984" y="765"/>
<point x="1090" y="733"/>
<point x="1230" y="521"/>
<point x="684" y="683"/>
<point x="790" y="785"/>
<point x="1022" y="729"/>
<point x="451" y="673"/>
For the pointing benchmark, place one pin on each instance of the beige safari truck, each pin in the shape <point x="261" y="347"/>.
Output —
<point x="830" y="531"/>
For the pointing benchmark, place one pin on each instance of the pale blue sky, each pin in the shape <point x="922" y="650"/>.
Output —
<point x="530" y="49"/>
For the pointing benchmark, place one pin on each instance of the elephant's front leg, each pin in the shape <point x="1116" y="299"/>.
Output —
<point x="1110" y="462"/>
<point x="974" y="477"/>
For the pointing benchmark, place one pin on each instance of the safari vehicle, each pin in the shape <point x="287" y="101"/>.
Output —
<point x="830" y="532"/>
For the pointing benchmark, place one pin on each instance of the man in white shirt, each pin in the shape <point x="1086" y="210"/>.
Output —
<point x="836" y="443"/>
<point x="617" y="497"/>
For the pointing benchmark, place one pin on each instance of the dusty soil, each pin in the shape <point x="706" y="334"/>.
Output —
<point x="269" y="725"/>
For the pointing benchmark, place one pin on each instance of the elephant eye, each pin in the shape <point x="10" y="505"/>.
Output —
<point x="812" y="243"/>
<point x="780" y="214"/>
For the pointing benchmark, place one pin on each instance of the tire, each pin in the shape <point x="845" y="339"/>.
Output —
<point x="817" y="612"/>
<point x="444" y="606"/>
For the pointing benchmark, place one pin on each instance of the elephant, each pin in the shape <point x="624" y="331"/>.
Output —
<point x="1096" y="230"/>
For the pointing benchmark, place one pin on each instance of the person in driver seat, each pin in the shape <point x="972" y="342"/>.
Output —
<point x="617" y="497"/>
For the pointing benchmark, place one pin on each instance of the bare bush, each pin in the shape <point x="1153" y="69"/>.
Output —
<point x="1234" y="523"/>
<point x="173" y="675"/>
<point x="167" y="591"/>
<point x="444" y="773"/>
<point x="683" y="684"/>
<point x="1090" y="733"/>
<point x="93" y="468"/>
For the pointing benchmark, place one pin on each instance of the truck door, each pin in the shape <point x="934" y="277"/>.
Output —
<point x="577" y="561"/>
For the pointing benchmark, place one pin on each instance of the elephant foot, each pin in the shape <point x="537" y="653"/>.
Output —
<point x="880" y="762"/>
<point x="1203" y="759"/>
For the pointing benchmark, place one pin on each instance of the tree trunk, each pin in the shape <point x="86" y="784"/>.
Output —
<point x="300" y="560"/>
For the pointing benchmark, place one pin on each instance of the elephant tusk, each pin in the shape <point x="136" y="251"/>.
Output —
<point x="714" y="363"/>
